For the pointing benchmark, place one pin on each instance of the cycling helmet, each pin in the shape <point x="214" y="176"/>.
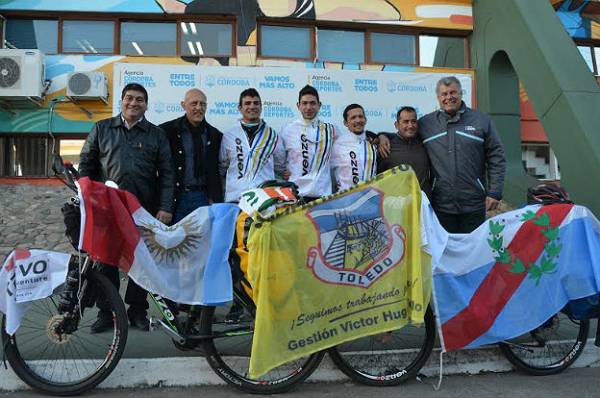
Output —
<point x="546" y="194"/>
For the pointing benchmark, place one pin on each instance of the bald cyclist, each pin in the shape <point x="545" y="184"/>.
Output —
<point x="195" y="146"/>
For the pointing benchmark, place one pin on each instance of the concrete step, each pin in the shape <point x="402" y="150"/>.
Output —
<point x="194" y="371"/>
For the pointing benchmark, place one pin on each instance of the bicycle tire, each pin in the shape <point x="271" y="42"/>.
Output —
<point x="387" y="359"/>
<point x="550" y="348"/>
<point x="67" y="364"/>
<point x="229" y="356"/>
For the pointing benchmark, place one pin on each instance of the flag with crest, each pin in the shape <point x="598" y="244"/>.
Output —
<point x="186" y="262"/>
<point x="513" y="273"/>
<point x="338" y="269"/>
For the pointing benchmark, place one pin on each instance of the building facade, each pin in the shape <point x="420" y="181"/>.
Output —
<point x="188" y="38"/>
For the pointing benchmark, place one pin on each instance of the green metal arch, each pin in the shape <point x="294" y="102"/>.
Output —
<point x="518" y="40"/>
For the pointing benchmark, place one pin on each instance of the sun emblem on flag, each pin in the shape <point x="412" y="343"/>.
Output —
<point x="356" y="244"/>
<point x="171" y="243"/>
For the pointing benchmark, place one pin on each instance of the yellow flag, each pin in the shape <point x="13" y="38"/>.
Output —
<point x="338" y="269"/>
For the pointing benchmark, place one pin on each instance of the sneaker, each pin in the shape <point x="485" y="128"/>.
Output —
<point x="103" y="323"/>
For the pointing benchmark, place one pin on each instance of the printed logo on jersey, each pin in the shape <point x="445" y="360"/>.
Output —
<point x="321" y="148"/>
<point x="239" y="154"/>
<point x="304" y="141"/>
<point x="354" y="167"/>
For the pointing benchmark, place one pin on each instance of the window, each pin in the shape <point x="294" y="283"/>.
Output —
<point x="285" y="41"/>
<point x="388" y="48"/>
<point x="69" y="149"/>
<point x="540" y="162"/>
<point x="206" y="39"/>
<point x="23" y="156"/>
<point x="597" y="59"/>
<point x="28" y="33"/>
<point x="4" y="155"/>
<point x="586" y="53"/>
<point x="92" y="37"/>
<point x="149" y="38"/>
<point x="439" y="51"/>
<point x="341" y="46"/>
<point x="361" y="44"/>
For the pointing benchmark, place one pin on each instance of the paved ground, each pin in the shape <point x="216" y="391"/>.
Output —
<point x="30" y="217"/>
<point x="575" y="383"/>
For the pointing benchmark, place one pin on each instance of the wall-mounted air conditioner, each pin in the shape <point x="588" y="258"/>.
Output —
<point x="87" y="86"/>
<point x="21" y="74"/>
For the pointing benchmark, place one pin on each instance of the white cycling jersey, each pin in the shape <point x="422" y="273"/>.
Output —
<point x="308" y="146"/>
<point x="354" y="159"/>
<point x="246" y="166"/>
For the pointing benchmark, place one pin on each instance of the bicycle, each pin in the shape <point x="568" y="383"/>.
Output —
<point x="383" y="359"/>
<point x="548" y="349"/>
<point x="395" y="357"/>
<point x="54" y="351"/>
<point x="67" y="314"/>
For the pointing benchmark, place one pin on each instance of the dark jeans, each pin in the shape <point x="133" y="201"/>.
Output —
<point x="135" y="296"/>
<point x="462" y="223"/>
<point x="187" y="202"/>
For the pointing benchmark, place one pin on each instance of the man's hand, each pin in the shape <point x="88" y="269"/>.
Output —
<point x="164" y="216"/>
<point x="383" y="149"/>
<point x="491" y="203"/>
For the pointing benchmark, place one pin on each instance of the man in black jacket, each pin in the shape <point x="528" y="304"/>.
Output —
<point x="195" y="148"/>
<point x="467" y="160"/>
<point x="134" y="153"/>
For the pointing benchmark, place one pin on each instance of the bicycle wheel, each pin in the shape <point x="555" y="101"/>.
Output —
<point x="228" y="354"/>
<point x="550" y="348"/>
<point x="387" y="359"/>
<point x="63" y="363"/>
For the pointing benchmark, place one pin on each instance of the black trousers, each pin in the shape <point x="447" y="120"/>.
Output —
<point x="135" y="296"/>
<point x="461" y="223"/>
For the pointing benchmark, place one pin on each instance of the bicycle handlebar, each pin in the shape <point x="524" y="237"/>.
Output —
<point x="66" y="169"/>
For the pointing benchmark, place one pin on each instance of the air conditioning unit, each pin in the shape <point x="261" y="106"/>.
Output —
<point x="87" y="86"/>
<point x="21" y="74"/>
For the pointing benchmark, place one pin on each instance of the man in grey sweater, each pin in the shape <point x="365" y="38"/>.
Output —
<point x="467" y="160"/>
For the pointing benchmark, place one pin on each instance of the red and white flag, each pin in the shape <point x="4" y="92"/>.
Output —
<point x="29" y="275"/>
<point x="186" y="262"/>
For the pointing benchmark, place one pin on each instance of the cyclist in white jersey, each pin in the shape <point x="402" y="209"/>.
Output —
<point x="354" y="158"/>
<point x="308" y="143"/>
<point x="251" y="151"/>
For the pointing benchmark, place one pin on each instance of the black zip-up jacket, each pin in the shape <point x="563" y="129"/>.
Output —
<point x="209" y="168"/>
<point x="138" y="160"/>
<point x="467" y="159"/>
